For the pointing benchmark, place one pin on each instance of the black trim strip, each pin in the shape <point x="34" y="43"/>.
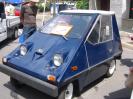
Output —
<point x="38" y="84"/>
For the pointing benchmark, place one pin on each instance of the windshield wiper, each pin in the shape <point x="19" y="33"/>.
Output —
<point x="64" y="37"/>
<point x="60" y="35"/>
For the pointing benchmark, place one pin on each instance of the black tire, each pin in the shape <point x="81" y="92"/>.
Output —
<point x="15" y="35"/>
<point x="111" y="69"/>
<point x="77" y="91"/>
<point x="15" y="83"/>
<point x="65" y="91"/>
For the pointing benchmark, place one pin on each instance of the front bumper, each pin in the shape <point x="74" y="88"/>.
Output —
<point x="38" y="84"/>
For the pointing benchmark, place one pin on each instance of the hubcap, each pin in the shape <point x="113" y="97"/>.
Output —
<point x="112" y="67"/>
<point x="69" y="91"/>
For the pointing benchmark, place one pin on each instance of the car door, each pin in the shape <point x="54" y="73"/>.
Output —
<point x="3" y="30"/>
<point x="99" y="46"/>
<point x="3" y="34"/>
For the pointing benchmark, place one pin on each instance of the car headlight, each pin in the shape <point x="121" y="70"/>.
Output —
<point x="23" y="50"/>
<point x="57" y="60"/>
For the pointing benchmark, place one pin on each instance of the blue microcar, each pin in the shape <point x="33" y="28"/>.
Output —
<point x="69" y="52"/>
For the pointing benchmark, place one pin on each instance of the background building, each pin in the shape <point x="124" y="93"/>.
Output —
<point x="122" y="8"/>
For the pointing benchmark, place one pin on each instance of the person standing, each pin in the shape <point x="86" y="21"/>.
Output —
<point x="28" y="18"/>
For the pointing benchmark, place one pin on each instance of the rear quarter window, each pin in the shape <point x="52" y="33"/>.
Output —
<point x="102" y="31"/>
<point x="106" y="28"/>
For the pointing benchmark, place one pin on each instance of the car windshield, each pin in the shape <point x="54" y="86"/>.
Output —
<point x="69" y="25"/>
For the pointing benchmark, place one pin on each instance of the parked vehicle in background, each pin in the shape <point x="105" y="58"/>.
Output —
<point x="71" y="6"/>
<point x="17" y="5"/>
<point x="14" y="1"/>
<point x="17" y="9"/>
<point x="58" y="7"/>
<point x="9" y="9"/>
<point x="72" y="50"/>
<point x="9" y="27"/>
<point x="132" y="37"/>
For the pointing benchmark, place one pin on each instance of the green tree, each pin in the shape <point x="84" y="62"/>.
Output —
<point x="82" y="4"/>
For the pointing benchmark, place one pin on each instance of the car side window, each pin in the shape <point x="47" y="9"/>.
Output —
<point x="94" y="36"/>
<point x="106" y="28"/>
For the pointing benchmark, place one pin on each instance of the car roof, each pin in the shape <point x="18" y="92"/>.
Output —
<point x="89" y="11"/>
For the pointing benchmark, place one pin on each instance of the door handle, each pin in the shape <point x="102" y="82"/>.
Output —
<point x="110" y="50"/>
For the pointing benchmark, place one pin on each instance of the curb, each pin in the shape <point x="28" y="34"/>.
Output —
<point x="127" y="45"/>
<point x="125" y="39"/>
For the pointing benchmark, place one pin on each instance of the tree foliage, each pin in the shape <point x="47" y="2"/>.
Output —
<point x="41" y="7"/>
<point x="82" y="4"/>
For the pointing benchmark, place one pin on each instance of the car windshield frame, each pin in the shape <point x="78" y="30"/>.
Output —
<point x="76" y="24"/>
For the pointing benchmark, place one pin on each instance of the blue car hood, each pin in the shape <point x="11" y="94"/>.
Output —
<point x="36" y="64"/>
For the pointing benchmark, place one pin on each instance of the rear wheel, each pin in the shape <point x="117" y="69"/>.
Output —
<point x="67" y="92"/>
<point x="15" y="35"/>
<point x="15" y="83"/>
<point x="112" y="68"/>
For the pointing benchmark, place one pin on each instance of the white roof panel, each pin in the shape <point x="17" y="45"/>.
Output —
<point x="89" y="11"/>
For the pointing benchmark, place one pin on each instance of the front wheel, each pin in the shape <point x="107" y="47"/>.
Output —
<point x="67" y="92"/>
<point x="112" y="68"/>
